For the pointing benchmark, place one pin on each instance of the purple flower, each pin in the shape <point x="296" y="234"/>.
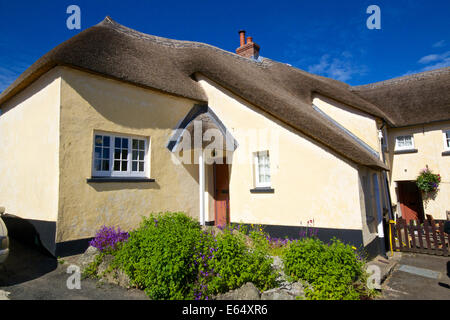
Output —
<point x="108" y="238"/>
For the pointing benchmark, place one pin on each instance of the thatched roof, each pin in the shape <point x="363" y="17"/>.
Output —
<point x="115" y="51"/>
<point x="414" y="99"/>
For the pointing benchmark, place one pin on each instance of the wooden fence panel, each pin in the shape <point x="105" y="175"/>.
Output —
<point x="442" y="239"/>
<point x="426" y="229"/>
<point x="435" y="240"/>
<point x="427" y="238"/>
<point x="412" y="236"/>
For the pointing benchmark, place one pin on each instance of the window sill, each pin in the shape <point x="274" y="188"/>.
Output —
<point x="446" y="153"/>
<point x="405" y="151"/>
<point x="118" y="179"/>
<point x="262" y="190"/>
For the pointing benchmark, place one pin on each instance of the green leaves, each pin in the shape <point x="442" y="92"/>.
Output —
<point x="330" y="269"/>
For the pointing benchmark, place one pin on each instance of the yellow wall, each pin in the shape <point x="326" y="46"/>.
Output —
<point x="360" y="124"/>
<point x="310" y="181"/>
<point x="29" y="158"/>
<point x="428" y="140"/>
<point x="89" y="103"/>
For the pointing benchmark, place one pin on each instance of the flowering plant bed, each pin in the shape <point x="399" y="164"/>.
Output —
<point x="171" y="256"/>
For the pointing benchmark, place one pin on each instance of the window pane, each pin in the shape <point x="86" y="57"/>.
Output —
<point x="98" y="140"/>
<point x="134" y="166"/>
<point x="408" y="141"/>
<point x="141" y="166"/>
<point x="142" y="144"/>
<point x="106" y="141"/>
<point x="124" y="154"/>
<point x="98" y="152"/>
<point x="105" y="153"/>
<point x="124" y="165"/>
<point x="98" y="165"/>
<point x="116" y="154"/>
<point x="125" y="143"/>
<point x="135" y="144"/>
<point x="135" y="155"/>
<point x="141" y="155"/>
<point x="105" y="165"/>
<point x="116" y="165"/>
<point x="117" y="142"/>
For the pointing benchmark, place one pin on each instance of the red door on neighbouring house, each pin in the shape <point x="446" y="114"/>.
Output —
<point x="410" y="200"/>
<point x="221" y="194"/>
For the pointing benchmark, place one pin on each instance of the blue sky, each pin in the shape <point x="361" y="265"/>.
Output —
<point x="325" y="37"/>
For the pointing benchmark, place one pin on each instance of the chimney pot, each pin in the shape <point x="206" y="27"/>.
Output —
<point x="242" y="37"/>
<point x="249" y="39"/>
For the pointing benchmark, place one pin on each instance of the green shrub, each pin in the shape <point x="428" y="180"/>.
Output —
<point x="158" y="256"/>
<point x="331" y="269"/>
<point x="235" y="264"/>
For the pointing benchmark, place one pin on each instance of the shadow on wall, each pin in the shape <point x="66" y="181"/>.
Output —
<point x="28" y="258"/>
<point x="25" y="263"/>
<point x="111" y="186"/>
<point x="33" y="233"/>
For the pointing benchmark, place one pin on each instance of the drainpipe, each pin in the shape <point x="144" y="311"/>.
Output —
<point x="201" y="183"/>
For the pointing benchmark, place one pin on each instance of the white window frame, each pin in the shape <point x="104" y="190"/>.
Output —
<point x="444" y="134"/>
<point x="398" y="148"/>
<point x="261" y="184"/>
<point x="124" y="174"/>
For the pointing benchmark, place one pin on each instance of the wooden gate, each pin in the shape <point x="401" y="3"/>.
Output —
<point x="427" y="237"/>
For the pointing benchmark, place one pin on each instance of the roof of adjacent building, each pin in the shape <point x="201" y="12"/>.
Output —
<point x="414" y="99"/>
<point x="285" y="92"/>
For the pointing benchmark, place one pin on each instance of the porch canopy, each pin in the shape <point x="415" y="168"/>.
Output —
<point x="200" y="131"/>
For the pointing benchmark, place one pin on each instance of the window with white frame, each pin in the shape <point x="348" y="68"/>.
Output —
<point x="262" y="169"/>
<point x="447" y="140"/>
<point x="119" y="156"/>
<point x="405" y="142"/>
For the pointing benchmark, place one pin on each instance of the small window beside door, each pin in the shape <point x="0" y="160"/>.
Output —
<point x="262" y="171"/>
<point x="404" y="143"/>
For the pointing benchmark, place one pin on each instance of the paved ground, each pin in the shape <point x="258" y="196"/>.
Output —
<point x="30" y="274"/>
<point x="418" y="277"/>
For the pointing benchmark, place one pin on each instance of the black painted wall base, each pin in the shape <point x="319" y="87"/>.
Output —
<point x="70" y="248"/>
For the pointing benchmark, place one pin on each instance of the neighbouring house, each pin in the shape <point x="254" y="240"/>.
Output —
<point x="419" y="136"/>
<point x="114" y="124"/>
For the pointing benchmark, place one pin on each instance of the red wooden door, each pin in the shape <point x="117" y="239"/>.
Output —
<point x="221" y="194"/>
<point x="410" y="201"/>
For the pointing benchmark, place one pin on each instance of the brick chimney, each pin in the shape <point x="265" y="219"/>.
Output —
<point x="247" y="49"/>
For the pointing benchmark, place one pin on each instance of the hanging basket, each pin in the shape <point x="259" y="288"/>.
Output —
<point x="427" y="181"/>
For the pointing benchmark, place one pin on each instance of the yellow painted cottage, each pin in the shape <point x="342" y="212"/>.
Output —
<point x="114" y="124"/>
